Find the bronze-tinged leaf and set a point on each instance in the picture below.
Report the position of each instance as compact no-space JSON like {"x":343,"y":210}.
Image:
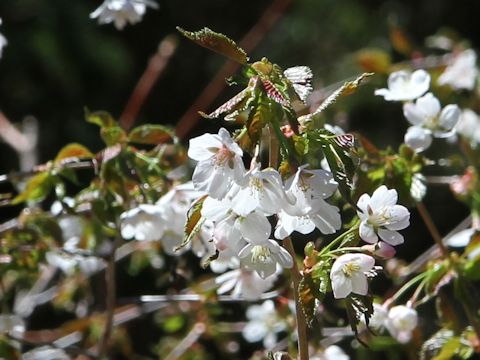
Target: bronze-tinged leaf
{"x":151,"y":135}
{"x":230,"y":105}
{"x":374,"y":60}
{"x":306,"y":295}
{"x":400,"y":41}
{"x":73,"y":150}
{"x":274,"y":94}
{"x":37,"y":189}
{"x":347,"y":88}
{"x":195,"y":221}
{"x":217,"y":42}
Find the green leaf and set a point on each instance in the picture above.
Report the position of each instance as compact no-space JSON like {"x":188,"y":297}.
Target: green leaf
{"x":73,"y":150}
{"x":113,"y":135}
{"x":37,"y":189}
{"x":338,"y":153}
{"x":151,"y":135}
{"x":216,"y":42}
{"x":358,"y":307}
{"x":100,"y":118}
{"x":195,"y":221}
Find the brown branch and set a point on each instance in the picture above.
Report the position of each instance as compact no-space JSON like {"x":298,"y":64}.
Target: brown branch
{"x":154,"y":69}
{"x":301,"y":323}
{"x":111,"y":293}
{"x":190,"y":118}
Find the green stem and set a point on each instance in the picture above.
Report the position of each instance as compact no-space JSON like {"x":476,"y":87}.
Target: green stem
{"x":405,"y":287}
{"x":340,"y":238}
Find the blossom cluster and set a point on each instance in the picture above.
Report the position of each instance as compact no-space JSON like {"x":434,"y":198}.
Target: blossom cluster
{"x":242,"y":204}
{"x":423,"y":110}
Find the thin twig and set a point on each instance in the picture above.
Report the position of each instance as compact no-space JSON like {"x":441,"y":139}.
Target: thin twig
{"x":190,"y":118}
{"x":156,"y":65}
{"x":197,"y":330}
{"x":432,"y":228}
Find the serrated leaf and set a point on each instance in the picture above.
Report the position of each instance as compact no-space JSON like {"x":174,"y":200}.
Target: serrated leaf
{"x":73,"y":150}
{"x":217,"y":42}
{"x":100,"y":118}
{"x":37,"y":189}
{"x":358,"y":307}
{"x":195,"y":221}
{"x":347,"y":88}
{"x":307,"y":298}
{"x":151,"y":135}
{"x":273,"y":93}
{"x":338,"y":155}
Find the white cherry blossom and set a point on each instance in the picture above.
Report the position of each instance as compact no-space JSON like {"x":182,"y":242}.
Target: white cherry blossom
{"x":263,"y":258}
{"x":469,"y":126}
{"x":381,"y":217}
{"x":263,"y":324}
{"x":244,"y":284}
{"x":405,"y":86}
{"x":143,"y":223}
{"x":263,"y":191}
{"x":308,"y":190}
{"x":121,"y":12}
{"x":429,"y":119}
{"x":219,"y":163}
{"x":348,"y":274}
{"x":332,"y":352}
{"x":462,"y":72}
{"x":401,"y":322}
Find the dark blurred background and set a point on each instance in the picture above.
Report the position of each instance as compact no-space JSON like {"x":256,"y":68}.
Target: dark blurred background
{"x":59,"y":61}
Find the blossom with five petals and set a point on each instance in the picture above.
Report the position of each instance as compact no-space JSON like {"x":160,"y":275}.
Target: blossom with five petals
{"x":405,"y":86}
{"x":263,"y":324}
{"x":401,"y":322}
{"x":219,"y":163}
{"x":308,"y":189}
{"x":381,"y":216}
{"x":428,"y":118}
{"x":348,"y":274}
{"x":264,"y":257}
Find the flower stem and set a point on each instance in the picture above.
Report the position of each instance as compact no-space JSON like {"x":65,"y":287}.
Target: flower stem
{"x":339,"y":239}
{"x":405,"y":287}
{"x":301,"y":323}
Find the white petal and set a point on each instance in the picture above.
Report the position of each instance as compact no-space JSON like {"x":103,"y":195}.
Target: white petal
{"x":413,"y":114}
{"x":418,"y":139}
{"x":204,"y":147}
{"x":255,"y":228}
{"x":391,"y":237}
{"x":359,"y":284}
{"x":460,"y":239}
{"x":367,"y":233}
{"x":341,"y":286}
{"x":428,"y":105}
{"x":383,"y":197}
{"x":449,"y":117}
